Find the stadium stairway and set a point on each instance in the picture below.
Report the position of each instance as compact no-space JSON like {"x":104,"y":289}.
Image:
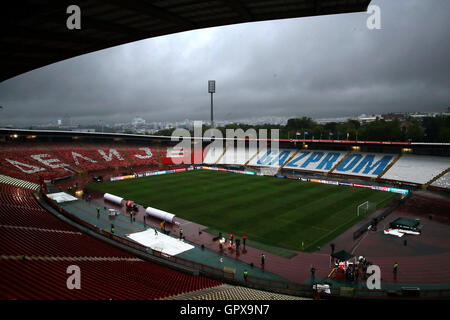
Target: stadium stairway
{"x":443,"y":183}
{"x":127,"y":156}
{"x":389,"y":166}
{"x":251,"y":158}
{"x":159,"y":156}
{"x":47,"y":149}
{"x":426,"y":185}
{"x":221,"y":156}
{"x":68,"y":154}
{"x":339,"y":163}
{"x":288,"y":160}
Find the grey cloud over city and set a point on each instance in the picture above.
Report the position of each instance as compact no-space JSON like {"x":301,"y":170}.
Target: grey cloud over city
{"x":327,"y":66}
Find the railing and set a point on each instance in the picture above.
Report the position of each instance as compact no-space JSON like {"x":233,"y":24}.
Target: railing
{"x":280,"y":286}
{"x":204,"y":269}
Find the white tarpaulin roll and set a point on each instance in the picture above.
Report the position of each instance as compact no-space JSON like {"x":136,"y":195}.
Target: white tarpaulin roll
{"x":113,"y":198}
{"x":163,"y":215}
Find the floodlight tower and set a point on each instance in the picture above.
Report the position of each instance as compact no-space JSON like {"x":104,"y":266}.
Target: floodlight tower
{"x":212,"y":89}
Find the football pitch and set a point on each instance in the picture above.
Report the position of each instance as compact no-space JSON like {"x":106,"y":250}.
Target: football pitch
{"x":274,"y":214}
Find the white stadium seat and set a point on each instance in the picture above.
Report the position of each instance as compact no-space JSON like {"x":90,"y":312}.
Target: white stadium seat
{"x":237,"y":156}
{"x":417,"y":169}
{"x":443,"y":182}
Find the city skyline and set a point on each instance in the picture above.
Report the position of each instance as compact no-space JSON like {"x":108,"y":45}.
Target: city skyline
{"x":141,"y":125}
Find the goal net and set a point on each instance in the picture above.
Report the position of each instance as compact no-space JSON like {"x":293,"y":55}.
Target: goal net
{"x":366,"y":208}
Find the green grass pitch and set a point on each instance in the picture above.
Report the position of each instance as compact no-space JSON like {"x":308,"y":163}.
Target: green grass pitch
{"x":273,"y":213}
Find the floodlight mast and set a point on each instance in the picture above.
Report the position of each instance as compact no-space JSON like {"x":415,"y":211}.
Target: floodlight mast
{"x":212,"y":111}
{"x":212,"y":90}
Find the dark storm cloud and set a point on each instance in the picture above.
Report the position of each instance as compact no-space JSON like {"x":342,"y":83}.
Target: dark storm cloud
{"x":318,"y":67}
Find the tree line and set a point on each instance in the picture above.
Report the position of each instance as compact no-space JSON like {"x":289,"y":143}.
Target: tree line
{"x":427,"y":129}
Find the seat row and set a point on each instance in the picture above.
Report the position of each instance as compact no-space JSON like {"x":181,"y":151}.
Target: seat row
{"x":26,"y":229}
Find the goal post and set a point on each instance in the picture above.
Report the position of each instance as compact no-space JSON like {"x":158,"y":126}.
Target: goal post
{"x":366,"y":208}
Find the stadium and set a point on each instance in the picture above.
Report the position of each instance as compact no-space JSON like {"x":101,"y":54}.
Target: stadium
{"x":289,"y":207}
{"x":145,"y":219}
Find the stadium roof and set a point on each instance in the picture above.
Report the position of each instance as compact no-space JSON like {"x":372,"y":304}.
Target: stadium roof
{"x":34,"y":32}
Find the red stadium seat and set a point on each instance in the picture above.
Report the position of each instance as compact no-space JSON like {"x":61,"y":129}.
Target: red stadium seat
{"x":50,"y":246}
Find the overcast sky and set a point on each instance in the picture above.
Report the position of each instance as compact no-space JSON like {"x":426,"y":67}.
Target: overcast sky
{"x":320,"y":67}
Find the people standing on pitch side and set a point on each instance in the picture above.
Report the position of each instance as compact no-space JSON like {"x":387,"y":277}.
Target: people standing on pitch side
{"x":395,"y":270}
{"x":313,"y":272}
